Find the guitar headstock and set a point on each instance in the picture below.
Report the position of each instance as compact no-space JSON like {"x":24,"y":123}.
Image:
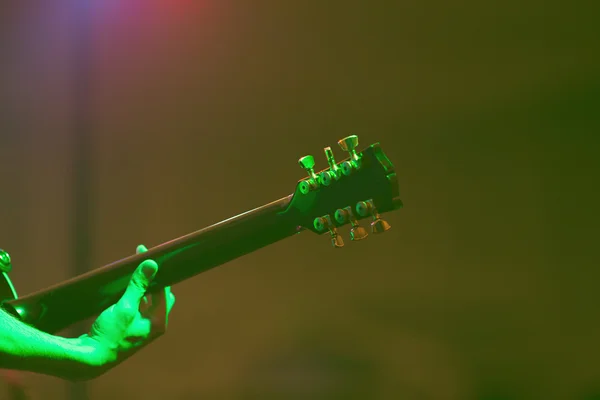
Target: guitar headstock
{"x":362,"y":186}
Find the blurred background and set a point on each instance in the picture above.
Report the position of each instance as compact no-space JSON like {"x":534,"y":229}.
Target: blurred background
{"x":139,"y":121}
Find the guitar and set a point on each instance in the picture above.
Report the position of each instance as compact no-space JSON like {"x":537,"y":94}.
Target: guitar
{"x":362,"y":186}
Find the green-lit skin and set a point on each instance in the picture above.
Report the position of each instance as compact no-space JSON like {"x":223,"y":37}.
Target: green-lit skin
{"x":120,"y":331}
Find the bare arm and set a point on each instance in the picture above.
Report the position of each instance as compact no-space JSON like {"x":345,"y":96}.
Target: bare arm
{"x":26,"y":348}
{"x":120,"y":331}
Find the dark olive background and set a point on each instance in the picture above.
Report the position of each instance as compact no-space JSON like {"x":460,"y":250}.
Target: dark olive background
{"x":486,"y":286}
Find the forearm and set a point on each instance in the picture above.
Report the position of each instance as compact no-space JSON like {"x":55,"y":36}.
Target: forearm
{"x":25,"y":348}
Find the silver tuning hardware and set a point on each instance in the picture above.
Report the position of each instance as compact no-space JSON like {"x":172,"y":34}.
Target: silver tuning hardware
{"x":334,"y":171}
{"x":7,"y":290}
{"x":344,"y":215}
{"x":5,"y":265}
{"x":324,"y":223}
{"x":349,"y":145}
{"x":312,"y":183}
{"x":366,"y":208}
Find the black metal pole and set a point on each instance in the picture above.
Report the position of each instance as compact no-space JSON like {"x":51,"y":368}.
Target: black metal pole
{"x":81,"y":134}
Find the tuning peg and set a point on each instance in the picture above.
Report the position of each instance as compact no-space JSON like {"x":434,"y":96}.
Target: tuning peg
{"x":5,"y":265}
{"x":334,"y":171}
{"x":380,"y":226}
{"x":308,"y":163}
{"x":349,"y":144}
{"x":366,"y":208}
{"x":344,"y":215}
{"x":324,"y":223}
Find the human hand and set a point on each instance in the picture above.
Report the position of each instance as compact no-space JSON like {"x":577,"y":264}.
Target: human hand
{"x":136,"y":320}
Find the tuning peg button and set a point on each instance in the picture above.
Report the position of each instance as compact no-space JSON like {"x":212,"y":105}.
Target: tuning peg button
{"x":336,"y":240}
{"x":380,"y":226}
{"x":366,"y":208}
{"x":307,"y":162}
{"x":349,"y":144}
{"x":324,"y":223}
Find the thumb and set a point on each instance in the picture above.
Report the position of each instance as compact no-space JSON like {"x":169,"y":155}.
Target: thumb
{"x":140,"y":280}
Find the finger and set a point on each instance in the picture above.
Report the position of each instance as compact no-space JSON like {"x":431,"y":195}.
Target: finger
{"x":148,"y":310}
{"x":159,"y":303}
{"x":157,"y":313}
{"x":156,"y":299}
{"x":145,"y":304}
{"x":141,"y":249}
{"x":140,"y":330}
{"x":170,"y":301}
{"x":111,"y":326}
{"x":140,"y":280}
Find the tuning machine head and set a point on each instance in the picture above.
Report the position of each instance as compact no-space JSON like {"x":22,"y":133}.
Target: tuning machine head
{"x":324,"y":223}
{"x":312,"y":182}
{"x":343,"y":215}
{"x":366,"y":208}
{"x":349,"y":145}
{"x":5,"y":264}
{"x":7,"y":289}
{"x":334,"y":172}
{"x":308,"y":163}
{"x":327,"y":199}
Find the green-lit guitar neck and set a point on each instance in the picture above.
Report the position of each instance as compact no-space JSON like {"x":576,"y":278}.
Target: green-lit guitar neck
{"x":361,"y":186}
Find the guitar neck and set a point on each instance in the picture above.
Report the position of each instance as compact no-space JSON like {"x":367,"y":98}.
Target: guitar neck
{"x":84,"y":296}
{"x":358,"y":187}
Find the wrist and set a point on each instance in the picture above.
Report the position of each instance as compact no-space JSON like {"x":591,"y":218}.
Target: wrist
{"x":78,"y":360}
{"x":91,"y":356}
